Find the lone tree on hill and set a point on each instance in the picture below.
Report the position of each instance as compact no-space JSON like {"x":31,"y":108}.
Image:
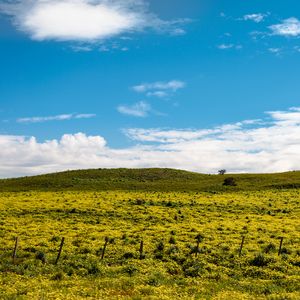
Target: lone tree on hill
{"x":222,"y":172}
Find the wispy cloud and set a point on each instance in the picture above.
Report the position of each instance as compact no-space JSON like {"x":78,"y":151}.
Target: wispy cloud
{"x":62,"y":117}
{"x":229,"y":46}
{"x":257,"y":18}
{"x":85,"y":20}
{"x":82,"y":48}
{"x":140,"y":109}
{"x":225,"y":46}
{"x":275,"y":51}
{"x":159,"y":89}
{"x":268,"y":145}
{"x":288,"y":28}
{"x":173,"y":136}
{"x":297,"y":48}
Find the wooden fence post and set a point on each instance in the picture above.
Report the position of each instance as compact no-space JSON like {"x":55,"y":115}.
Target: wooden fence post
{"x":104,"y":247}
{"x":197,"y":248}
{"x":199,"y":239}
{"x":280,"y":245}
{"x":60,"y":250}
{"x":241,"y":246}
{"x":141,"y":249}
{"x":15,"y":249}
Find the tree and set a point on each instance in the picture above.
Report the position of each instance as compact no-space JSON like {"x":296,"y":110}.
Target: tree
{"x":222,"y":172}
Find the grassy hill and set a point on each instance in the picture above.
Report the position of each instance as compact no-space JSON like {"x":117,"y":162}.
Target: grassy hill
{"x":150,"y":234}
{"x":148,"y":180}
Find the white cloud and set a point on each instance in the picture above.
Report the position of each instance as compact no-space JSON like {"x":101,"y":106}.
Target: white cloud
{"x":158,"y":94}
{"x":183,"y":135}
{"x":85,"y":20}
{"x":275,"y":50}
{"x":55,"y":118}
{"x":160,"y":89}
{"x":178,"y":32}
{"x":225,"y":46}
{"x":257,"y":18}
{"x":84,"y":116}
{"x":269,"y":145}
{"x":288,"y":27}
{"x":286,"y":118}
{"x":297,"y":48}
{"x":139,"y":109}
{"x":229,"y":46}
{"x":166,"y":136}
{"x":83,"y":48}
{"x":172,"y":85}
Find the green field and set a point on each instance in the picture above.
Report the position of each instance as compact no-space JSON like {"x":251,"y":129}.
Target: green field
{"x":191,"y":226}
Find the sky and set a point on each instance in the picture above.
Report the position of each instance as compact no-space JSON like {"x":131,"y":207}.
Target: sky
{"x":199,"y":85}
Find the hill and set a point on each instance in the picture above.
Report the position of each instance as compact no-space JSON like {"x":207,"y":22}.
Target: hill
{"x":150,"y":234}
{"x":148,"y":180}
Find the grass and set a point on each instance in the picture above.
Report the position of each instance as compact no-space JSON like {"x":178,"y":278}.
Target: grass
{"x":171,"y":211}
{"x":148,"y":180}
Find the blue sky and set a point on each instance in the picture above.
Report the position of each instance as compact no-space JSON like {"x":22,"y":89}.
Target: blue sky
{"x":122,"y":73}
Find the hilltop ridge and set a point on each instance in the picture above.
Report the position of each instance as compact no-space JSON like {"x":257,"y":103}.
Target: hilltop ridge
{"x":156,"y":179}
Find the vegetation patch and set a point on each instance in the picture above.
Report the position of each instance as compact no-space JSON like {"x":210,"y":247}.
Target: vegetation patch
{"x":233,"y":242}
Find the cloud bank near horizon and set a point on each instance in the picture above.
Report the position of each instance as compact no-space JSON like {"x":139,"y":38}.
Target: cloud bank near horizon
{"x":268,"y":145}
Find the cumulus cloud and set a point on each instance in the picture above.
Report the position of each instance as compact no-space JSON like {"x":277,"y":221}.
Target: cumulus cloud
{"x":160,"y":89}
{"x":139,"y":109}
{"x":288,"y":28}
{"x":85,"y":20}
{"x":268,"y":145}
{"x":55,"y":118}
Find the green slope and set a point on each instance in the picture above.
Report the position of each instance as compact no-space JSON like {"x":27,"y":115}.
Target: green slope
{"x":148,"y":180}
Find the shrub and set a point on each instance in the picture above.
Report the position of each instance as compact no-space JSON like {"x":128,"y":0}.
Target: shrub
{"x":30,"y":249}
{"x":140,"y":202}
{"x":193,"y":268}
{"x":159,"y":251}
{"x":270,"y":248}
{"x":172,"y":240}
{"x":156,"y":279}
{"x":130,"y":270}
{"x":160,"y":246}
{"x":94,"y":269}
{"x":41,"y":256}
{"x":55,"y":238}
{"x":285,"y":250}
{"x":128,"y":255}
{"x":260,"y":260}
{"x":229,"y":181}
{"x":85,"y":250}
{"x":58,"y":276}
{"x":173,"y":250}
{"x":199,"y":238}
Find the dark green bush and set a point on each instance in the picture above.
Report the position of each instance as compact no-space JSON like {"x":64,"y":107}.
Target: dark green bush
{"x":41,"y":256}
{"x":130,"y":270}
{"x":128,"y":255}
{"x":172,"y":240}
{"x":260,"y":260}
{"x":229,"y":181}
{"x":270,"y":248}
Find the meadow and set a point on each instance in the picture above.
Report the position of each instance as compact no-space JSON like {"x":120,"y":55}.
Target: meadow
{"x":167,"y":235}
